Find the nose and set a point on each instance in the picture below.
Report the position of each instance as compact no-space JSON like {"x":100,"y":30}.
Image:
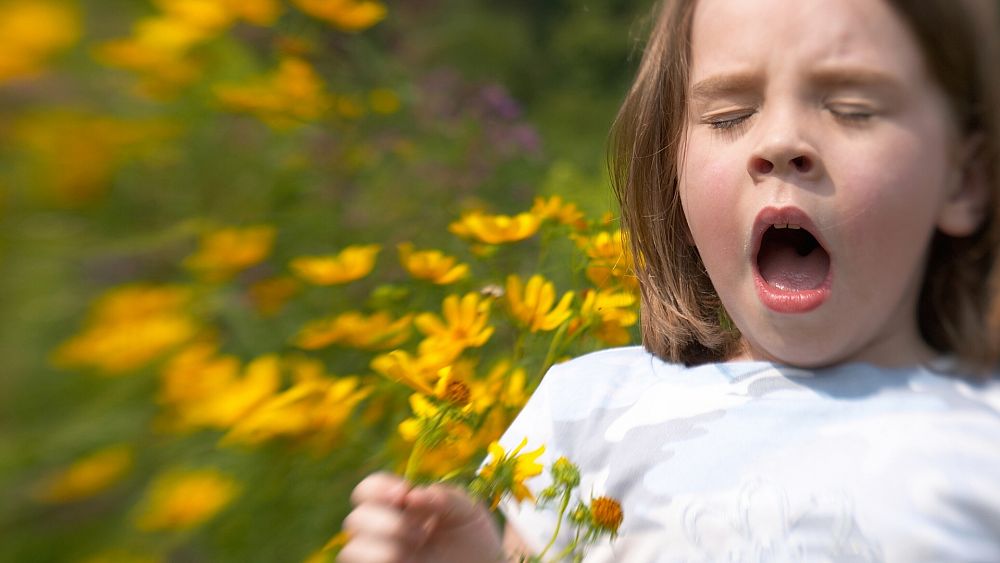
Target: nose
{"x":782,"y":150}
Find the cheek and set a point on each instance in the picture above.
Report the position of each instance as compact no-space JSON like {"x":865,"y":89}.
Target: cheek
{"x":708,"y":186}
{"x":707,"y":189}
{"x":887,"y":215}
{"x":895,"y":198}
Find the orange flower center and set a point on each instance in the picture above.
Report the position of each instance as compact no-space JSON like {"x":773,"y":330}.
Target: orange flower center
{"x":607,"y":513}
{"x":458,"y":393}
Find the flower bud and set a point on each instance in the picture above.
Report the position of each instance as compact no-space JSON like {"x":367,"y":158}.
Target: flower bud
{"x":565,"y":472}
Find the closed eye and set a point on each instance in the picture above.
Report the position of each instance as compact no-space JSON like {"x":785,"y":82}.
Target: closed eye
{"x":728,"y":121}
{"x":851,"y":114}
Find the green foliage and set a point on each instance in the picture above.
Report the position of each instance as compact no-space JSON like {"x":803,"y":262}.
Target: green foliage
{"x":117,"y":173}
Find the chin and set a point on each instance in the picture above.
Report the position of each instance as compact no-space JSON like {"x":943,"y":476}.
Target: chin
{"x":798,"y":355}
{"x":812,"y":361}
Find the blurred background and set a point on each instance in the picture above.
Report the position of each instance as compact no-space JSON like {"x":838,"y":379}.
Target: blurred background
{"x":163,"y":162}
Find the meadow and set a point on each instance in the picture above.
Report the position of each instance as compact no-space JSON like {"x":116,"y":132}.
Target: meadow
{"x":253,"y":250}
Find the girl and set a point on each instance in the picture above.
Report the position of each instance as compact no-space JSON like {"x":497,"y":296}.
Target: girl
{"x":812,"y":189}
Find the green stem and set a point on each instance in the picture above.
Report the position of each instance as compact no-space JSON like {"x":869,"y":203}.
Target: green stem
{"x":554,"y":348}
{"x":413,"y":463}
{"x":569,"y":549}
{"x":562,"y":511}
{"x":420,"y":446}
{"x":519,"y":346}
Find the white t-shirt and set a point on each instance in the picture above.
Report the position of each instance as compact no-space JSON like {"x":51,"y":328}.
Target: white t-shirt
{"x":751,"y":461}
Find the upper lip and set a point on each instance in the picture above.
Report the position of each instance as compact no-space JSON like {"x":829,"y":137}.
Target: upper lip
{"x":770,"y":216}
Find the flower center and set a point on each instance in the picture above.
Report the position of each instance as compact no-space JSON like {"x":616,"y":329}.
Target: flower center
{"x":458,"y":393}
{"x":607,"y":513}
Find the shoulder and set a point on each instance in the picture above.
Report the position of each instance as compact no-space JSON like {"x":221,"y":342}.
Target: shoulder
{"x":598,"y":379}
{"x":631,"y":361}
{"x":947,"y":413}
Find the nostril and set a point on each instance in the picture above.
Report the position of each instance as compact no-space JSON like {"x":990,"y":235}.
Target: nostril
{"x":801,"y":164}
{"x":762,"y":165}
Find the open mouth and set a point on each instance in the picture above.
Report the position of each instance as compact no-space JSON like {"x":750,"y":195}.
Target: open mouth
{"x":791,"y":259}
{"x":792,"y":268}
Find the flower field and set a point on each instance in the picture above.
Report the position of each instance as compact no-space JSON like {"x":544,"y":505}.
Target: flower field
{"x":254,"y":250}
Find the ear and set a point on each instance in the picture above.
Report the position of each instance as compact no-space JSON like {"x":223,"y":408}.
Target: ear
{"x":965,"y":208}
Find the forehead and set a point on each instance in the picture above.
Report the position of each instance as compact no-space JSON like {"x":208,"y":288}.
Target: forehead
{"x":759,"y":35}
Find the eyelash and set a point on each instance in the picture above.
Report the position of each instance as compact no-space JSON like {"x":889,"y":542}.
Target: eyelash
{"x":730,"y":122}
{"x":733,"y":126}
{"x":852,"y":117}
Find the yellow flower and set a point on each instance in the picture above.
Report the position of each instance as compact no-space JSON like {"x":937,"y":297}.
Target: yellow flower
{"x":448,"y":391}
{"x":270,"y":295}
{"x":465,"y":323}
{"x":219,"y":14}
{"x":87,"y":476}
{"x":258,"y":12}
{"x":496,"y":229}
{"x":423,"y":409}
{"x":348,"y":15}
{"x":610,"y":259}
{"x":449,"y":442}
{"x":315,"y":409}
{"x":197,"y":14}
{"x":225,"y":252}
{"x":75,"y":155}
{"x":134,"y":302}
{"x":417,"y":372}
{"x":183,"y":500}
{"x":376,"y":332}
{"x":294,"y":93}
{"x":196,"y":372}
{"x":507,"y":472}
{"x":509,"y":387}
{"x":532,"y":304}
{"x":453,"y":390}
{"x":128,"y":327}
{"x":159,"y":46}
{"x":431,"y":265}
{"x":31,"y":32}
{"x":612,"y":312}
{"x":201,"y":389}
{"x":554,"y":208}
{"x":352,"y":263}
{"x":455,"y":386}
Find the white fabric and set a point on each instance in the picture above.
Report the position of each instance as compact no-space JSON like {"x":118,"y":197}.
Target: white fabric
{"x":751,"y":461}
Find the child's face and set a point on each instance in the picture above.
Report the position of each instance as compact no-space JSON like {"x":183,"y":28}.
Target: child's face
{"x":819,"y":114}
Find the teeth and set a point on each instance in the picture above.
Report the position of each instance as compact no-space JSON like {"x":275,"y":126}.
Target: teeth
{"x":793,"y":226}
{"x":786,"y":226}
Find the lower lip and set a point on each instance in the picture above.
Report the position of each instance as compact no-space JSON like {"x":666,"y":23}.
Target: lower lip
{"x":784,"y":301}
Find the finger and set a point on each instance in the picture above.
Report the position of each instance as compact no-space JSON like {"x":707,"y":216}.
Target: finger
{"x":447,"y":505}
{"x":374,"y":521}
{"x":367,"y":550}
{"x":380,"y":488}
{"x":453,"y":521}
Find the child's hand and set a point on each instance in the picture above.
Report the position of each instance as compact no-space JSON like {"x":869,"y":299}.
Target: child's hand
{"x":392,"y":522}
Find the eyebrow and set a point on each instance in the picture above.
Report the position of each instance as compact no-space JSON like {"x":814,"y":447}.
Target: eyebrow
{"x":724,"y":84}
{"x":721,"y":85}
{"x":854,"y":76}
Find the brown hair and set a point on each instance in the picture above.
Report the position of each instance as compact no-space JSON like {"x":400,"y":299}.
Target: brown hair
{"x":682,"y":317}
